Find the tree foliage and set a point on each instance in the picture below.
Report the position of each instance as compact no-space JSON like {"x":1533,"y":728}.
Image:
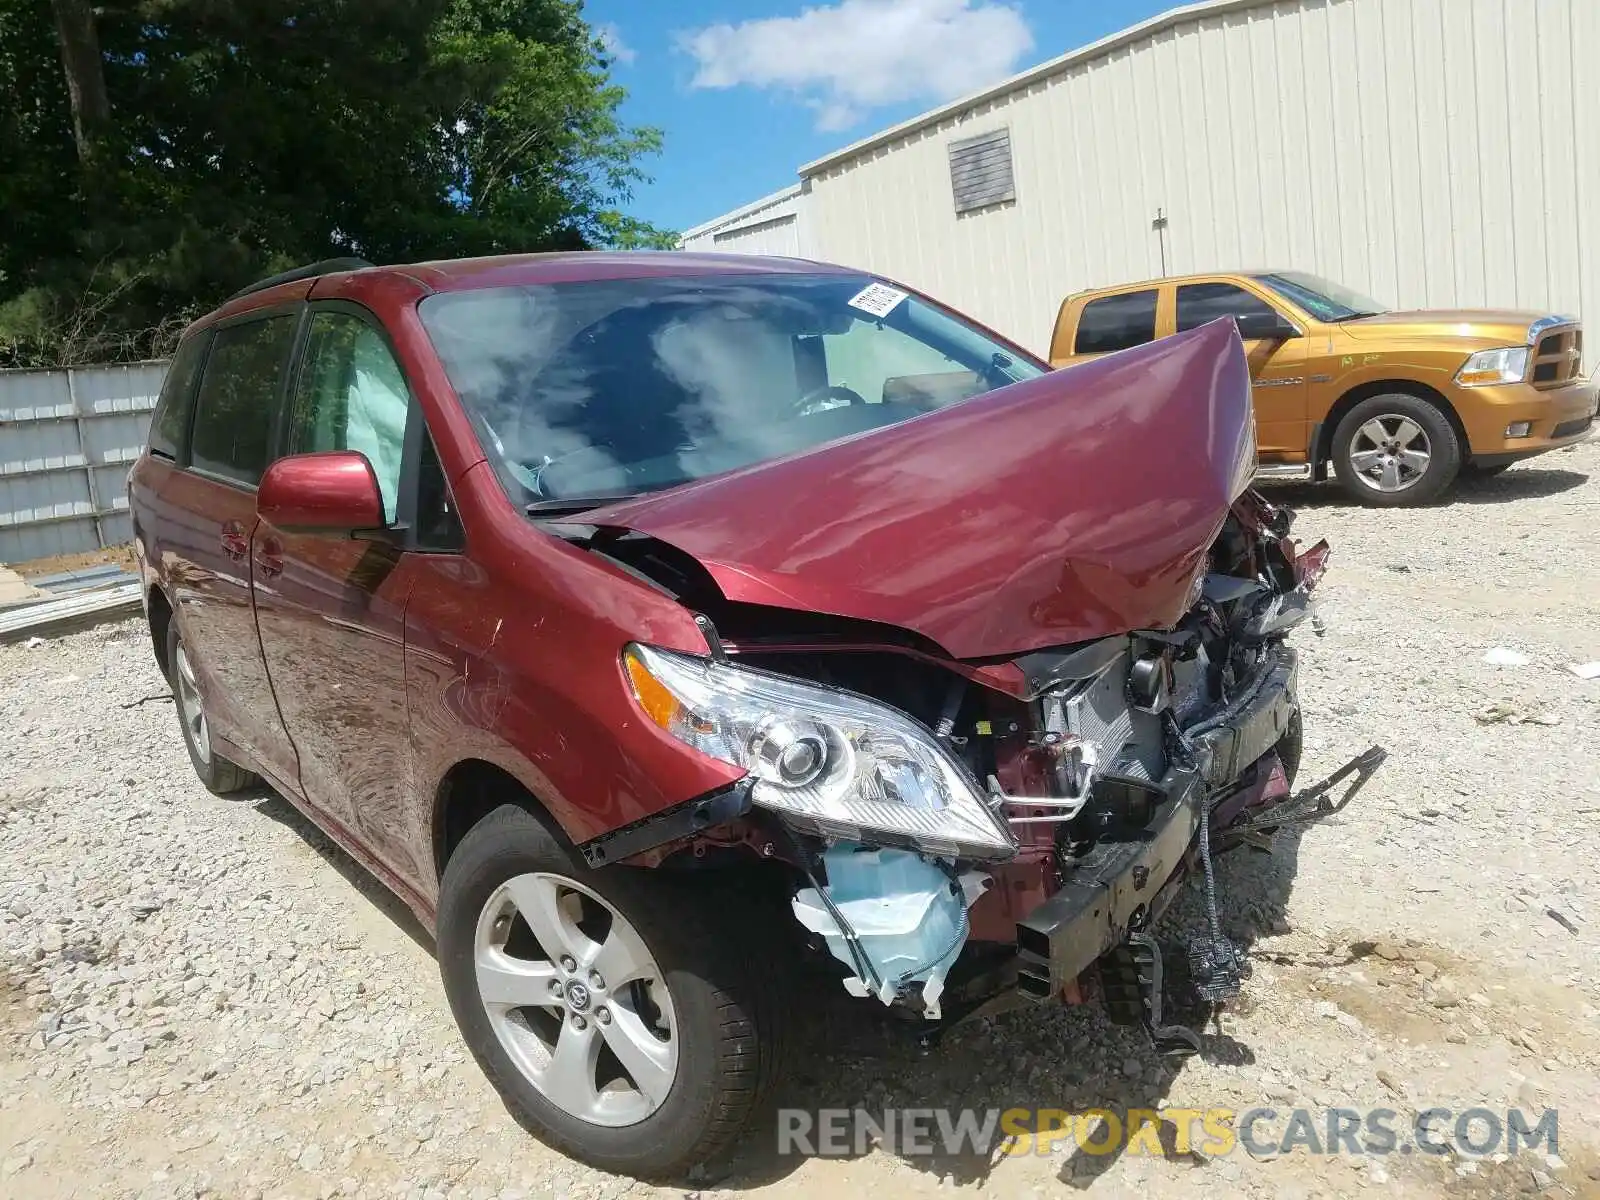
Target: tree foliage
{"x":234,"y":138}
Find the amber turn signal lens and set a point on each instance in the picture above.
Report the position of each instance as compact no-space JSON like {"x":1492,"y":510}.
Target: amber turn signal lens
{"x":659,"y":704}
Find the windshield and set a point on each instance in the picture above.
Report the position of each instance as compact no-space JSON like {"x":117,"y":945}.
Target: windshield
{"x":615,"y":387}
{"x":1322,"y":298}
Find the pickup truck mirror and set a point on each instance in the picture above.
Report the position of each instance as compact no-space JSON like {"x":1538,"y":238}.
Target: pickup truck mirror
{"x":1267,"y":326}
{"x":332,"y":492}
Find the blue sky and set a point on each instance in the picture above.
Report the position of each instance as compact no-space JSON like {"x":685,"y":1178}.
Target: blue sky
{"x":747,"y":90}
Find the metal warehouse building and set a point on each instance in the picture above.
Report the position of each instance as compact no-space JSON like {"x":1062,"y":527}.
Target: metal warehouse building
{"x":1427,"y":152}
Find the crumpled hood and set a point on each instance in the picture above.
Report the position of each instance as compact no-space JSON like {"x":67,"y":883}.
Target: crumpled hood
{"x":1073,"y":506}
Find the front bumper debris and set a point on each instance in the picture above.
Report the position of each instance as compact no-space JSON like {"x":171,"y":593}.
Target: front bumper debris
{"x":1306,"y":807}
{"x":1117,"y":888}
{"x":1228,"y":744}
{"x":1120,"y":887}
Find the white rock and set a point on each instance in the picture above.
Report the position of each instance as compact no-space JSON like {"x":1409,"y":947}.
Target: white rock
{"x":1499,"y":656}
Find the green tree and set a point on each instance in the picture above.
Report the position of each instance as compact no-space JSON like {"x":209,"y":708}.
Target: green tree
{"x":224,"y":139}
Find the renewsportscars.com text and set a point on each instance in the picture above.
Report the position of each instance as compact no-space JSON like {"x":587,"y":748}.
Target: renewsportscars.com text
{"x":1214,"y":1132}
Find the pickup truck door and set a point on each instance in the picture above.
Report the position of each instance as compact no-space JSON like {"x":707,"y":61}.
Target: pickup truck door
{"x":1277,"y":364}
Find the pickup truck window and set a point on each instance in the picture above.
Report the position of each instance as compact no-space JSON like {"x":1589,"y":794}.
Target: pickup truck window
{"x":1116,"y":323}
{"x":1322,"y":298}
{"x":1202,"y":302}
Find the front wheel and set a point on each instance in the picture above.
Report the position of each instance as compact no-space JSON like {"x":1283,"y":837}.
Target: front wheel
{"x":1395,"y":450}
{"x":617,"y":1012}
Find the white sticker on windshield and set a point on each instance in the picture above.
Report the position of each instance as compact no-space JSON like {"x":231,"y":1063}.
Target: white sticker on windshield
{"x":879,"y":299}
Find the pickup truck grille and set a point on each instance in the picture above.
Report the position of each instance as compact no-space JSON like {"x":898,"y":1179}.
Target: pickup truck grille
{"x":1558,"y":357}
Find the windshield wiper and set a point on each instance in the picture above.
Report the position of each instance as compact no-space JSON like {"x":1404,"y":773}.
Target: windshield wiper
{"x":566,"y":505}
{"x":1356,"y":316}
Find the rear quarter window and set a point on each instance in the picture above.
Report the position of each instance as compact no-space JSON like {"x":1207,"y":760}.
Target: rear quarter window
{"x":169,"y":424}
{"x":239,"y":397}
{"x":1116,"y":323}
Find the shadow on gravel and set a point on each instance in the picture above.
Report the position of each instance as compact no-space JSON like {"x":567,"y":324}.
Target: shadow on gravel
{"x":269,"y":804}
{"x":854,"y":1058}
{"x":1526,"y":484}
{"x":1520,"y":483}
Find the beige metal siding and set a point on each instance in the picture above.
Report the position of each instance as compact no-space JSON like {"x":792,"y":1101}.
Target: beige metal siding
{"x":1429,"y":152}
{"x":780,"y":236}
{"x":771,"y":225}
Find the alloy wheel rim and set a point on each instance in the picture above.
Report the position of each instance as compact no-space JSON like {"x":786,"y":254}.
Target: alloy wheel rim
{"x":1390,"y":453}
{"x":576,"y":999}
{"x":191,"y":708}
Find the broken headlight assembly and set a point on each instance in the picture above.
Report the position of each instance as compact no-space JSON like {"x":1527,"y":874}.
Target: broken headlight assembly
{"x":826,"y":761}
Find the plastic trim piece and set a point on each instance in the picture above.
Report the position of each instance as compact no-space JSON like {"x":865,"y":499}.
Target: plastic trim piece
{"x":670,"y":824}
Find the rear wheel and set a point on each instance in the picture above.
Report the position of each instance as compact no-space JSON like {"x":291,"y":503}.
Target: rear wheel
{"x":1395,"y":450}
{"x":220,"y":776}
{"x":619,"y":1013}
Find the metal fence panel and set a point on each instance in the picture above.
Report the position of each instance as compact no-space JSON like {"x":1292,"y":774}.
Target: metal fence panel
{"x":67,"y":439}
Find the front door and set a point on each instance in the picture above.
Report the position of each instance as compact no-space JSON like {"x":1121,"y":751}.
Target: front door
{"x":331,"y":611}
{"x":1277,"y":366}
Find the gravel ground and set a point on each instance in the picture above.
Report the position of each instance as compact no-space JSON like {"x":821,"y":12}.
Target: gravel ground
{"x":204,"y":997}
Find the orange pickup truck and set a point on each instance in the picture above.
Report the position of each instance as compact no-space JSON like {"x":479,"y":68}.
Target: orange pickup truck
{"x":1399,"y":402}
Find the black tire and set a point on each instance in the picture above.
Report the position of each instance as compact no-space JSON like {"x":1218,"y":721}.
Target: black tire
{"x":1474,"y":471}
{"x":1444,"y":449}
{"x":729,"y":1012}
{"x":221,"y":776}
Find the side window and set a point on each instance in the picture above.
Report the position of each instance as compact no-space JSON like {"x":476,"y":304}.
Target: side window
{"x":1116,"y":323}
{"x":352,"y":396}
{"x":169,"y":425}
{"x":438,"y":526}
{"x":1202,"y":302}
{"x":238,"y":398}
{"x":884,"y":365}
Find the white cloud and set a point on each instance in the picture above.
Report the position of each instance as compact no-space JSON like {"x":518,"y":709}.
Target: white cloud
{"x":856,"y":55}
{"x":610,"y":37}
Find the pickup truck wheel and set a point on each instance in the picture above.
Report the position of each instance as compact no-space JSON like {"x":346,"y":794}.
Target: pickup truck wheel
{"x":619,"y":1013}
{"x":220,"y":776}
{"x":1395,"y":450}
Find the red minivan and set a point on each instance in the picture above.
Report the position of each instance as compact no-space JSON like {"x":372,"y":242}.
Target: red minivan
{"x":658,"y":626}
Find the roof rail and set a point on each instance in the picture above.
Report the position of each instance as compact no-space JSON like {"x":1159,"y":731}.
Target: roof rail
{"x":327,"y":266}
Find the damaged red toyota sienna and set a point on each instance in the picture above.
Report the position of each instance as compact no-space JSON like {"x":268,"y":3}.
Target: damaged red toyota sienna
{"x":651,"y":624}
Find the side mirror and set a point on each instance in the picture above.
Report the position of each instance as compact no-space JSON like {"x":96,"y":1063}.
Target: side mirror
{"x":1265,"y":326}
{"x":333,"y":492}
